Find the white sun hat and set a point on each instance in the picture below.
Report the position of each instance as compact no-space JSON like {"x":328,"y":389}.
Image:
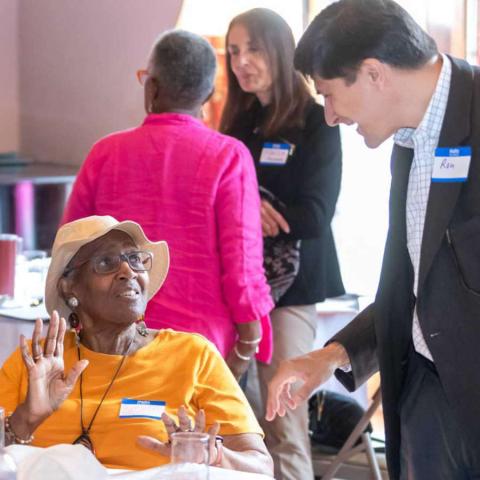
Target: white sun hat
{"x":74,"y":235}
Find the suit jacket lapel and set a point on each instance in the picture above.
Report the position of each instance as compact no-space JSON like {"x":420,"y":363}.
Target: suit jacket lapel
{"x":443,"y":196}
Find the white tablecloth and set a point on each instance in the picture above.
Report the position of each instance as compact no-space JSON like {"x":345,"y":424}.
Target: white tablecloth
{"x":75,"y":462}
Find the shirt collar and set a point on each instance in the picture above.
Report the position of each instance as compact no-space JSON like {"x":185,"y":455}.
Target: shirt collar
{"x":431,"y":124}
{"x":170,"y":118}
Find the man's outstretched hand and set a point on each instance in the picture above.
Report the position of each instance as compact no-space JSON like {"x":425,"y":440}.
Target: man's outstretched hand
{"x":312,"y":370}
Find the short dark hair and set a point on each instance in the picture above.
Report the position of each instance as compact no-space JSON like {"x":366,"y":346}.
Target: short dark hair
{"x":290,"y":94}
{"x":349,"y":31}
{"x":183,"y":64}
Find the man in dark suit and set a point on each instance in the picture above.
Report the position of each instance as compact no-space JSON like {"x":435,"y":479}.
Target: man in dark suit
{"x":377,"y":68}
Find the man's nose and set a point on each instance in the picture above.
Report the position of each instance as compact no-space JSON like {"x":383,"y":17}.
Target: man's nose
{"x":331,"y":117}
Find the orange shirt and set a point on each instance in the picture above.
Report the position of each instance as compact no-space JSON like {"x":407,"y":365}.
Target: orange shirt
{"x":177,"y":368}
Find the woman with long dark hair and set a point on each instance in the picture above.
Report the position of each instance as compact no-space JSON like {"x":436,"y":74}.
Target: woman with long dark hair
{"x":298,"y":164}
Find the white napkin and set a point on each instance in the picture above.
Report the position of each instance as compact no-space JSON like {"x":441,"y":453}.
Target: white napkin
{"x":61,"y":462}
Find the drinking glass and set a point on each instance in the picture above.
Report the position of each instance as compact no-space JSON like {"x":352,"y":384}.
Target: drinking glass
{"x":190,"y":454}
{"x":7,"y":465}
{"x":33,"y":269}
{"x":9,"y":247}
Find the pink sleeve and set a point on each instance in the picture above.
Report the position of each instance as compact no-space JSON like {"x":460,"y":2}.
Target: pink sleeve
{"x":237,"y":207}
{"x":81,"y":202}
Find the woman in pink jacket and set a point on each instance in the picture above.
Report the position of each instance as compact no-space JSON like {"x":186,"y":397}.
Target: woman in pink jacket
{"x":195,"y":188}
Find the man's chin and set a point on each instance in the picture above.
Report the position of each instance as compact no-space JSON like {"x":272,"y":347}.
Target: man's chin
{"x":372,"y":142}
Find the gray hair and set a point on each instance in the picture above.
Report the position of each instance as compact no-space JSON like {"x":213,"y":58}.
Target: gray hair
{"x":184,"y":65}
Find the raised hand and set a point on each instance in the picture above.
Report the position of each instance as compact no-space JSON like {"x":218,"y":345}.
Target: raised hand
{"x":48,"y":385}
{"x":184,"y":425}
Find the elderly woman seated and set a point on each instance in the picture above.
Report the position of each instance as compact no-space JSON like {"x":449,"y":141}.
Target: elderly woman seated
{"x":109,"y":383}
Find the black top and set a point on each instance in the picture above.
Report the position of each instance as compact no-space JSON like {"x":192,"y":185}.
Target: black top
{"x":308,"y":184}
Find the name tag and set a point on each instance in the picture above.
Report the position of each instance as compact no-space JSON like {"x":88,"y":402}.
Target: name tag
{"x":275,"y":153}
{"x":141,"y":408}
{"x":451,"y":164}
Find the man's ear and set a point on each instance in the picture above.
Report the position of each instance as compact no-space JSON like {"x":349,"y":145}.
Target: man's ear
{"x":375,"y":72}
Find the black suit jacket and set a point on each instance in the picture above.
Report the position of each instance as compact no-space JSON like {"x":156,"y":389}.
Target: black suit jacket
{"x":448,"y":302}
{"x":308,"y":184}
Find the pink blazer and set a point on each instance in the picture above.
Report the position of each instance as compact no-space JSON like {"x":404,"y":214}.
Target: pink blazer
{"x":196,"y":189}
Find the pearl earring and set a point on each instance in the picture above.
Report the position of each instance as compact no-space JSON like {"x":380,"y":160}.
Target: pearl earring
{"x":72,"y":302}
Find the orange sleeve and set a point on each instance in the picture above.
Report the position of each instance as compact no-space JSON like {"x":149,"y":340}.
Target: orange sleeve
{"x":218,"y":393}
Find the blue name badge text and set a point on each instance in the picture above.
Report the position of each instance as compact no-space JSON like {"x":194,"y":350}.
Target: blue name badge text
{"x":130,"y":408}
{"x":451,"y":164}
{"x":275,"y":153}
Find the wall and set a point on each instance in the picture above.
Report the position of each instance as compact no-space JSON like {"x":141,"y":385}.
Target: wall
{"x":77,"y":70}
{"x":9,"y":106}
{"x":196,"y":15}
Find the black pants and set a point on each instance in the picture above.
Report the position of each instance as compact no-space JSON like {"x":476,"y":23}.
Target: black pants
{"x":433,"y":447}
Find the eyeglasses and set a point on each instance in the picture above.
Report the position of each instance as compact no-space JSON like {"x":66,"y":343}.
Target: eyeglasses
{"x":142,"y":76}
{"x":104,"y":264}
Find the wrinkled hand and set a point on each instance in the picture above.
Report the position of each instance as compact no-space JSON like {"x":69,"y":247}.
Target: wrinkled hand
{"x":312,"y":370}
{"x":48,"y":385}
{"x":184,"y":425}
{"x":272,"y":220}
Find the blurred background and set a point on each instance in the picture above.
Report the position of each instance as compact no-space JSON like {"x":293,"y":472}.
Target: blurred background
{"x":68,"y":77}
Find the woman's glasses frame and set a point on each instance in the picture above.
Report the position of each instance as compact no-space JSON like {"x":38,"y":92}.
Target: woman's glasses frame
{"x":146,"y":262}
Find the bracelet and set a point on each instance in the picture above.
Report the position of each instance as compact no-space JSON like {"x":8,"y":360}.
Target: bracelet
{"x":21,"y":441}
{"x":219,"y":448}
{"x":250,"y":342}
{"x":240,"y":356}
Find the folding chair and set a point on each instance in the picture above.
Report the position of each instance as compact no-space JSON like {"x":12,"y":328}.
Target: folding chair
{"x":349,"y":448}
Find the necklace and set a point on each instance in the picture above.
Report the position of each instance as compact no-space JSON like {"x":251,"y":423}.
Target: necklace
{"x":84,"y":438}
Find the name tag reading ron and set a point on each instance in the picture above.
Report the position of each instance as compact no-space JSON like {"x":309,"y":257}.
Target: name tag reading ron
{"x":275,"y":153}
{"x":130,"y":408}
{"x":451,"y":164}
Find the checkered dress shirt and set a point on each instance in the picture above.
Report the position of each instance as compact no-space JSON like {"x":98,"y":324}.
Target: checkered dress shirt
{"x":424,"y":141}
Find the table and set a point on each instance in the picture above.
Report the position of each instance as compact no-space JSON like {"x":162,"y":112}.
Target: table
{"x":75,"y":462}
{"x":13,"y":323}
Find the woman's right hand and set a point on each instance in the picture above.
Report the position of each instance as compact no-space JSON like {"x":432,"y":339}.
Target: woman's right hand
{"x":48,"y":385}
{"x":272,"y":220}
{"x":238,"y":366}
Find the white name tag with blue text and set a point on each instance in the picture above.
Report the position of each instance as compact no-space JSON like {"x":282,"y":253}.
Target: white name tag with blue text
{"x":451,"y":164}
{"x":130,"y":408}
{"x":275,"y":153}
